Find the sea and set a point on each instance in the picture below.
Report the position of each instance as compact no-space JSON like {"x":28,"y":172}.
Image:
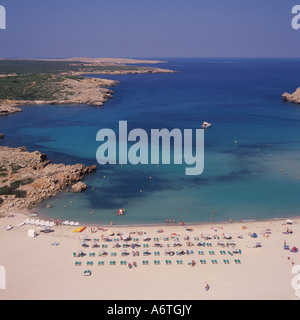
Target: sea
{"x":251,"y":150}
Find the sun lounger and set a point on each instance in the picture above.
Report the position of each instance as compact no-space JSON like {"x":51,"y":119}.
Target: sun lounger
{"x":87,"y":273}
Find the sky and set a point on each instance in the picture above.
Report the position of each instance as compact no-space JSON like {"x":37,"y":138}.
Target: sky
{"x":149,"y":29}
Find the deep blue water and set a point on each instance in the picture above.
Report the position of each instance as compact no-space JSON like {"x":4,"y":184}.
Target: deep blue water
{"x":254,"y":135}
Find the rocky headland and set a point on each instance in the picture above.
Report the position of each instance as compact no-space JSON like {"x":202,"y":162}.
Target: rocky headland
{"x":28,"y":178}
{"x":68,"y":90}
{"x":294,"y":97}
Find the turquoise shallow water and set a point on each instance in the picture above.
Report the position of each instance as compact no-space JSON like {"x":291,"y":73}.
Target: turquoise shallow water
{"x":240,"y":97}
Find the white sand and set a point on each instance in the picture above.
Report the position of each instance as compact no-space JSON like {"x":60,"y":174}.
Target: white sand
{"x":35,"y":269}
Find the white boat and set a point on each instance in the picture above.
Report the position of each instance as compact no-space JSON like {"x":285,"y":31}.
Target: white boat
{"x":206,"y":125}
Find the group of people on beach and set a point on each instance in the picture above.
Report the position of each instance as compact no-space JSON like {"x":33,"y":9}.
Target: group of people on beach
{"x":181,"y":223}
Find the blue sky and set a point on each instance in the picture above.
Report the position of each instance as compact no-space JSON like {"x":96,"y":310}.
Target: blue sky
{"x":144,"y":28}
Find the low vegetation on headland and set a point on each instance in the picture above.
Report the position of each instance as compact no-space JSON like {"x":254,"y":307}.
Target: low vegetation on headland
{"x":28,"y":82}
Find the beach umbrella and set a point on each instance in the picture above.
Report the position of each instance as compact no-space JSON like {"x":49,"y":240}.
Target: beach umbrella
{"x":289,"y":221}
{"x":94,"y":244}
{"x":227,"y":235}
{"x":254,"y":235}
{"x":294,"y":249}
{"x":286,"y":247}
{"x":258,"y":244}
{"x":125,"y":236}
{"x":79,"y":252}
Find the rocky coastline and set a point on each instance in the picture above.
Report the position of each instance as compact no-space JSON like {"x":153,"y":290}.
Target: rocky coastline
{"x":89,"y":91}
{"x":28,"y":178}
{"x":294,"y":97}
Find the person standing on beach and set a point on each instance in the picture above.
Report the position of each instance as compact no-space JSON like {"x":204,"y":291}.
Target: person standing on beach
{"x":206,"y":286}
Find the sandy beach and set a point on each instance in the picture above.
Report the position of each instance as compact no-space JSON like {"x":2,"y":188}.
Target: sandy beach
{"x":36,"y":268}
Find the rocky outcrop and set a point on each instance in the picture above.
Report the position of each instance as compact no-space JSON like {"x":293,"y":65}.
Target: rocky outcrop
{"x":294,"y":97}
{"x":10,"y":107}
{"x":79,"y":187}
{"x":28,"y":178}
{"x":79,"y":90}
{"x":89,"y":91}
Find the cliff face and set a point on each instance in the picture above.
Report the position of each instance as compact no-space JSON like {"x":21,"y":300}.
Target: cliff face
{"x":294,"y":97}
{"x":27,"y":178}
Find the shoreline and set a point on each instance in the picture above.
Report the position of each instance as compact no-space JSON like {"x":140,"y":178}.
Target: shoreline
{"x":27,"y":211}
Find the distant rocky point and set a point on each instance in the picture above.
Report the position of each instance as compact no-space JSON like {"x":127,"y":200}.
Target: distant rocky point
{"x":294,"y":97}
